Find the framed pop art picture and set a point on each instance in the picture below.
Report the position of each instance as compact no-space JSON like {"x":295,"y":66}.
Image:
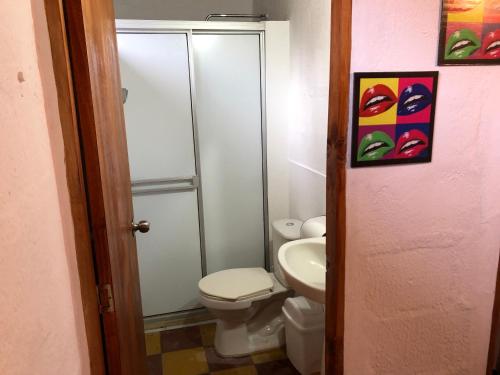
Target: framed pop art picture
{"x":393,"y":118}
{"x":470,"y":32}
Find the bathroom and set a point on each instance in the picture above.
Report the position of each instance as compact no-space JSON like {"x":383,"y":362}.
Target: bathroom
{"x":225,"y":168}
{"x":296,"y":170}
{"x":380,"y":115}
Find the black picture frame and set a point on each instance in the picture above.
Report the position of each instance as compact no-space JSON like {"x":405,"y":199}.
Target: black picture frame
{"x":442,"y":42}
{"x":427,"y":158}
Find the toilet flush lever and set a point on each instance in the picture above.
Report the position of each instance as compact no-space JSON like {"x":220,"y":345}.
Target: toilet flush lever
{"x":142,"y":226}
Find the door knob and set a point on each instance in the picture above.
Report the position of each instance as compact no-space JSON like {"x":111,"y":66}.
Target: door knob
{"x":142,"y":226}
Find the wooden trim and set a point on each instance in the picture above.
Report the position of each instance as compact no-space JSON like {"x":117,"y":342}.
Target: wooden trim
{"x":76,"y":186}
{"x":338,"y":118}
{"x":495,"y":325}
{"x":92,"y":49}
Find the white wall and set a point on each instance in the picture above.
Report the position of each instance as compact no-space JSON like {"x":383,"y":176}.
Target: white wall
{"x":278,"y":118}
{"x":179,"y":9}
{"x":41,"y":314}
{"x":309,"y":65}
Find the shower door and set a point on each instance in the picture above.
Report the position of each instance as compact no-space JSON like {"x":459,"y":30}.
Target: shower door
{"x":155,"y":76}
{"x":229,"y":83}
{"x":194,"y":121}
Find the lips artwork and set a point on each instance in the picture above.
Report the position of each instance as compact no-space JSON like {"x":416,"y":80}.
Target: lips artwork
{"x":491,"y":45}
{"x":411,"y":143}
{"x":374,"y":146}
{"x":376,"y":99}
{"x":413,"y":99}
{"x":393,"y":118}
{"x":470,"y":32}
{"x":462,"y":44}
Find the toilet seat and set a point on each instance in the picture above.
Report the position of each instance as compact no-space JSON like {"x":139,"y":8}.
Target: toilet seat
{"x":236,"y":284}
{"x":245,"y":300}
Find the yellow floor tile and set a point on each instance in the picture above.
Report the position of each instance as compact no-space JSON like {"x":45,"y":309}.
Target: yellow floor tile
{"x":153,"y":345}
{"x":207,"y":334}
{"x":247,"y":370}
{"x":269,"y":356}
{"x":185,"y":362}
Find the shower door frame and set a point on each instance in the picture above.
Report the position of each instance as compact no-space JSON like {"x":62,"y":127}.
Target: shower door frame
{"x":190,"y":28}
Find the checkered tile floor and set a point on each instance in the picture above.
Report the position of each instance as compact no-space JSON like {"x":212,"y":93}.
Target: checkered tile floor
{"x":190,"y":351}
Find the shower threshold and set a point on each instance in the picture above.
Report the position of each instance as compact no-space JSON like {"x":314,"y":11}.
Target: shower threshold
{"x":177,"y":320}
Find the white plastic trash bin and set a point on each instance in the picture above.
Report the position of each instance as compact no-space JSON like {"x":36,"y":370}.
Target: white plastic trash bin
{"x":304,"y":330}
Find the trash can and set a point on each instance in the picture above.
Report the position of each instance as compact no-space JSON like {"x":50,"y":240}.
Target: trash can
{"x":304,"y":331}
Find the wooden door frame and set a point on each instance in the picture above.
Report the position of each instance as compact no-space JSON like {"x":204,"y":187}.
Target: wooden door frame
{"x":75,"y":176}
{"x":338,"y":116}
{"x":338,"y":119}
{"x":495,"y":325}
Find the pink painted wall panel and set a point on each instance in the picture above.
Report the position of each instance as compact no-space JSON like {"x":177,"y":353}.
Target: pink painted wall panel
{"x":41,"y":323}
{"x":423,"y":239}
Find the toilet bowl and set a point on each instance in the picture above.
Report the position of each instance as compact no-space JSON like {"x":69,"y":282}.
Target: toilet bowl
{"x":248,"y":311}
{"x":247,"y":302}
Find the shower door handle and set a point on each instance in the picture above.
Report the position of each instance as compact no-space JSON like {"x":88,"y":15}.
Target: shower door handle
{"x":142,"y":226}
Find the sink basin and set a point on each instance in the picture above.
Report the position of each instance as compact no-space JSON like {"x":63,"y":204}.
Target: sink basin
{"x":304,"y":265}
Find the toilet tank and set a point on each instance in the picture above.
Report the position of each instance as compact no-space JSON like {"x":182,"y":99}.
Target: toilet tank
{"x":284,"y":230}
{"x":313,"y":227}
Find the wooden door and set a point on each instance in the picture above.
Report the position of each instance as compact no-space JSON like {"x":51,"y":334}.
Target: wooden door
{"x":93,"y":53}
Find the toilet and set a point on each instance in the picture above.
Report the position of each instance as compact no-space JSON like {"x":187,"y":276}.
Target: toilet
{"x":247,"y":302}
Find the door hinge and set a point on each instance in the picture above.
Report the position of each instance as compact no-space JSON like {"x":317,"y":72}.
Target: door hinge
{"x":105,"y":297}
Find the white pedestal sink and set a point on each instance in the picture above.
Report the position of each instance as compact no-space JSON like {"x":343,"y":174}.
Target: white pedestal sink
{"x":304,"y":265}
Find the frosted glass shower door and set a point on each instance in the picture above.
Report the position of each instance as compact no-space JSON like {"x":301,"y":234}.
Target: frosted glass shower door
{"x":155,"y":76}
{"x":228,"y":104}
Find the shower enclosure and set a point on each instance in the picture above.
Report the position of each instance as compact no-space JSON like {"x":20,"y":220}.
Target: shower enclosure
{"x":195,"y":123}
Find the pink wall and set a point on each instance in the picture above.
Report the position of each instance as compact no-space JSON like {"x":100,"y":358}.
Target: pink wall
{"x":423,"y":240}
{"x":41,"y":323}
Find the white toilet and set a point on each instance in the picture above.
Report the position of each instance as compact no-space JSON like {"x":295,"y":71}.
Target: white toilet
{"x":247,"y":302}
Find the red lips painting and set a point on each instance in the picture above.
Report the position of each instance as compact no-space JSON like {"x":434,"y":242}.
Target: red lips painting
{"x":491,"y":45}
{"x":376,"y":100}
{"x":411,"y":143}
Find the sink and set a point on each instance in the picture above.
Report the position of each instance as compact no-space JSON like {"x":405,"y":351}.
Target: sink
{"x":304,"y":265}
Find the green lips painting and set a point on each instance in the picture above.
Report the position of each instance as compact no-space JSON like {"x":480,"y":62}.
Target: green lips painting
{"x":462,"y":44}
{"x":374,"y":146}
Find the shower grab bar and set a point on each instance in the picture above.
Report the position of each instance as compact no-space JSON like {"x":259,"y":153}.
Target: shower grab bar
{"x":178,"y":189}
{"x":193,"y":181}
{"x":163,"y":181}
{"x":253,"y":16}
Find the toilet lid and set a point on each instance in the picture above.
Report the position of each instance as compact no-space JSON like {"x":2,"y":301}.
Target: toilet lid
{"x":236,"y":283}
